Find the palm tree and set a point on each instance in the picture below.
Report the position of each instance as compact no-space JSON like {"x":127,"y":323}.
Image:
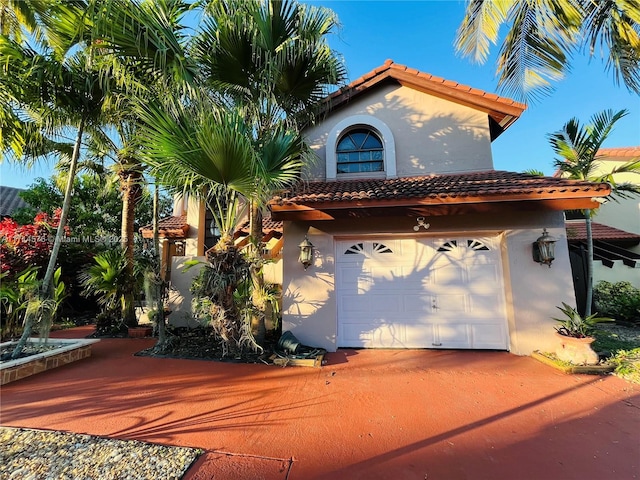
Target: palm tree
{"x":577,"y":147}
{"x":270,"y":59}
{"x":134,"y":45}
{"x":543,"y":36}
{"x":55,"y":93}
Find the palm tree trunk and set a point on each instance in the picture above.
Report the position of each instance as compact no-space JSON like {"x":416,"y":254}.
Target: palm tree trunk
{"x":159,"y":281}
{"x":258,"y":327}
{"x":130,"y":187}
{"x":589,"y":293}
{"x":46,"y":290}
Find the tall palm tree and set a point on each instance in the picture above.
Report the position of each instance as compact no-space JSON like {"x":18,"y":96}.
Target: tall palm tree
{"x":543,"y":36}
{"x":134,"y":46}
{"x":577,"y":147}
{"x":271,"y":60}
{"x":54,"y":93}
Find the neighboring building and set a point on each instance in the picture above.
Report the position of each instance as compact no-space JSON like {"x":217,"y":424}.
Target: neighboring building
{"x":616,"y":230}
{"x":621,"y":213}
{"x":614,"y":258}
{"x":418,"y":241}
{"x":10,"y":201}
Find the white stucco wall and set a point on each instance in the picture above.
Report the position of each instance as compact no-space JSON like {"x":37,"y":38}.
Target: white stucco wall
{"x":179,"y":293}
{"x":622,"y":213}
{"x":532,"y":290}
{"x":431,"y":135}
{"x":618,"y":273}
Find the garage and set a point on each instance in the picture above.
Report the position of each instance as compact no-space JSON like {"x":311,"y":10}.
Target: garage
{"x":420,"y":293}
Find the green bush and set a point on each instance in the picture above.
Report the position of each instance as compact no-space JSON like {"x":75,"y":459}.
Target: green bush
{"x":619,"y":300}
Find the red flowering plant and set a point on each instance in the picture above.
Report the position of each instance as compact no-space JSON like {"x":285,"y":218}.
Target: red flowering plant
{"x":23,"y":246}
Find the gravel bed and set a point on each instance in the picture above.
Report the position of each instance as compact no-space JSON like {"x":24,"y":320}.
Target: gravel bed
{"x":29,"y":349}
{"x":27,"y":454}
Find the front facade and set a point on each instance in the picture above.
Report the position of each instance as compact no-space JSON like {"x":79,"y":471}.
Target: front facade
{"x":418,"y":242}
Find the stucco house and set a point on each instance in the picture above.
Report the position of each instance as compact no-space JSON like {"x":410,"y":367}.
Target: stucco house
{"x":615,"y":231}
{"x":417,"y":241}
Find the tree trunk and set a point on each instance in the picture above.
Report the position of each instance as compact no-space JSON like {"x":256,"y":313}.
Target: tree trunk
{"x":46,"y":290}
{"x":589,"y":293}
{"x":258,"y":327}
{"x":131,"y":191}
{"x":159,"y":281}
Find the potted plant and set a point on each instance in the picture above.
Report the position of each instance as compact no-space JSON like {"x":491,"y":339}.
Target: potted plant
{"x":575,"y":333}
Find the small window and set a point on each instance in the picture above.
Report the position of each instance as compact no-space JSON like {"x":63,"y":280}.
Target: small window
{"x":360,"y":151}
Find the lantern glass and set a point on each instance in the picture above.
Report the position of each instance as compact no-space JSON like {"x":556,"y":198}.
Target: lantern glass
{"x":306,"y":253}
{"x":544,"y":249}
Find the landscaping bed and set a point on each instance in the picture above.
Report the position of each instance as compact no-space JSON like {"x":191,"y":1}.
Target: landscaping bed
{"x":39,"y":357}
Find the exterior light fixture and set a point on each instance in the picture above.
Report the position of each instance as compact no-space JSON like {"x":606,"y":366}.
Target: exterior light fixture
{"x":306,"y":252}
{"x":421,"y":222}
{"x":544,"y":249}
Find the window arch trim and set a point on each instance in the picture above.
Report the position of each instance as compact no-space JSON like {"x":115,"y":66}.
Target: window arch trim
{"x":365,"y":121}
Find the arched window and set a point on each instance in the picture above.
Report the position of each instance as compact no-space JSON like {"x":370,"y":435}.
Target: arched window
{"x":359,"y":151}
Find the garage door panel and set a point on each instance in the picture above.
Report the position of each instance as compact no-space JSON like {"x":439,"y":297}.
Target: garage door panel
{"x":382,"y":336}
{"x":483,"y":273}
{"x":375,"y":303}
{"x":418,"y":303}
{"x":448,"y":275}
{"x":489,"y":335}
{"x":446,"y":303}
{"x":485,"y":305}
{"x":453,"y":336}
{"x":354,"y":280}
{"x":408,"y":293}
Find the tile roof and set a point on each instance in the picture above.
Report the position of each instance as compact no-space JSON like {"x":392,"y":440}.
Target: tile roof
{"x":622,"y":152}
{"x":10,"y":200}
{"x":268,"y":225}
{"x":476,"y":186}
{"x":169,"y":227}
{"x":503,"y":110}
{"x":577,"y":231}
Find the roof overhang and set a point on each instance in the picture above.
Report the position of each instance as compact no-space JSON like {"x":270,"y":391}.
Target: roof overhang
{"x":442,"y":194}
{"x":502,"y":111}
{"x":334,"y":211}
{"x":173,"y":227}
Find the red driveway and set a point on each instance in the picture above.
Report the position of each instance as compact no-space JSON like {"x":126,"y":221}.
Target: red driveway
{"x":409,"y":414}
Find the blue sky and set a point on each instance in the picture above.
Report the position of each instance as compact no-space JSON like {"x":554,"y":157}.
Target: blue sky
{"x":420,"y":34}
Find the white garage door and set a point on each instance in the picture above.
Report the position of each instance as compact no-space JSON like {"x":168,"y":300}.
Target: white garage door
{"x":420,"y":293}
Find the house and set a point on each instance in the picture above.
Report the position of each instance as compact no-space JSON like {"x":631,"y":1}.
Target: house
{"x":623,"y":214}
{"x":613,"y":257}
{"x":10,"y":200}
{"x":417,"y":241}
{"x":615,"y":230}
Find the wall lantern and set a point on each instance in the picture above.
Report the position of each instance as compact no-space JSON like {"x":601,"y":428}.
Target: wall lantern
{"x":306,"y":252}
{"x":544,"y":248}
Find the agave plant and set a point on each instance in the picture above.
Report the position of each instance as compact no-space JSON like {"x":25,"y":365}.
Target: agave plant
{"x":575,"y":325}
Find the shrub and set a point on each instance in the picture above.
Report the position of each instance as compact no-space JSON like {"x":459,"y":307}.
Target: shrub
{"x":619,"y":300}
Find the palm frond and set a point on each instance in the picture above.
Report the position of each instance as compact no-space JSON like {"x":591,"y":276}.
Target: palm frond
{"x":480,"y":27}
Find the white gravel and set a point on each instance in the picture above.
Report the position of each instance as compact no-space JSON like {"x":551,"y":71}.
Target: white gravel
{"x":49,"y":455}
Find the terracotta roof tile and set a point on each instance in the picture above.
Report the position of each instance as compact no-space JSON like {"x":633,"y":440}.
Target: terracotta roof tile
{"x":494,"y":183}
{"x":577,"y":231}
{"x":268,"y":225}
{"x":173,"y":222}
{"x":173,"y":226}
{"x":620,"y":152}
{"x":499,"y":108}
